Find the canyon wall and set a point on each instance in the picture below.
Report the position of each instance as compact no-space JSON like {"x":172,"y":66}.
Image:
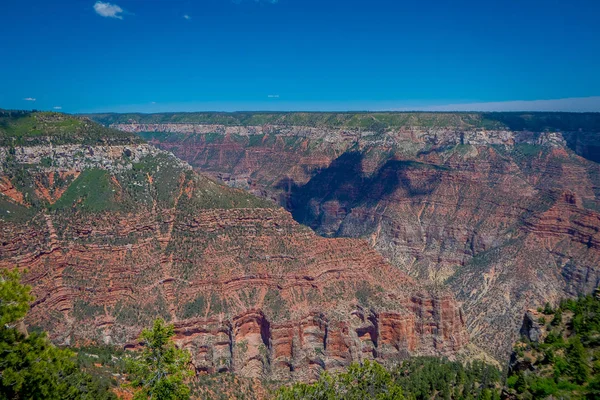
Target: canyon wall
{"x":507,"y":219}
{"x":115,"y":235}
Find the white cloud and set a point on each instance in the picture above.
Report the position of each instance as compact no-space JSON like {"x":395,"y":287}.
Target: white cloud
{"x":29,"y":99}
{"x":108,"y":10}
{"x":152,"y":102}
{"x":57,"y":107}
{"x":187,"y":17}
{"x":273,"y":96}
{"x":256,"y":1}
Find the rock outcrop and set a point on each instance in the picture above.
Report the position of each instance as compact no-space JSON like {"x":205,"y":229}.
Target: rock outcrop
{"x":507,"y":219}
{"x":114,"y":236}
{"x":531,"y":328}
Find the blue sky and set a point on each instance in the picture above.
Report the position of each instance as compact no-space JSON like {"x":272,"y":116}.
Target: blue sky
{"x":169,"y":55}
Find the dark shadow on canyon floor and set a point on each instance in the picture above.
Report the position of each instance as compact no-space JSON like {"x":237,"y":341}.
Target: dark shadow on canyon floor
{"x":334,"y":191}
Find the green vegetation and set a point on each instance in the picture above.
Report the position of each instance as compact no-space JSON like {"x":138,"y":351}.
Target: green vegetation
{"x":418,"y":378}
{"x":151,"y":181}
{"x":19,"y":128}
{"x":30,"y":366}
{"x":91,"y":191}
{"x":14,"y":299}
{"x":566,"y":363}
{"x":367,"y":381}
{"x":195,"y":308}
{"x":377,"y":122}
{"x":227,"y":386}
{"x":14,"y":212}
{"x":83,"y":310}
{"x":159,"y":371}
{"x":529,"y":150}
{"x":431,"y":378}
{"x":276,"y":304}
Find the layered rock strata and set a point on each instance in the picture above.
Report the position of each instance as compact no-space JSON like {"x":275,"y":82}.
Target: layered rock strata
{"x":115,"y":236}
{"x":507,"y":219}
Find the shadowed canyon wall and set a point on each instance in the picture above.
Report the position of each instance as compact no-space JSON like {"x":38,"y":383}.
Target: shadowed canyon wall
{"x":505,"y":216}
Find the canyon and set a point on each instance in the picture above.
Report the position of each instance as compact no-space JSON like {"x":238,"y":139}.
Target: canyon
{"x":113,"y":232}
{"x":501,"y":208}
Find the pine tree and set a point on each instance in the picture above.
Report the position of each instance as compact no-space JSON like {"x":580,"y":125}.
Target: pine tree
{"x":30,"y":366}
{"x":159,"y":371}
{"x":521,"y":384}
{"x":557,"y":320}
{"x":576,"y":357}
{"x":593,"y":389}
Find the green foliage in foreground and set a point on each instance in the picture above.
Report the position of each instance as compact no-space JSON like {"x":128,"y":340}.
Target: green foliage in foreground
{"x":30,"y":366}
{"x":566,"y":364}
{"x":417,"y":378}
{"x":369,"y":381}
{"x":14,"y":298}
{"x":160,"y":370}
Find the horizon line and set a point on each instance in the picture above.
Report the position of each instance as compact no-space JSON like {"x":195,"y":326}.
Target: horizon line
{"x":333,"y":111}
{"x":589,"y":104}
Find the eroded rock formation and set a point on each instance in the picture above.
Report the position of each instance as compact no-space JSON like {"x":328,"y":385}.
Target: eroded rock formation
{"x":113,"y":236}
{"x":508,"y":219}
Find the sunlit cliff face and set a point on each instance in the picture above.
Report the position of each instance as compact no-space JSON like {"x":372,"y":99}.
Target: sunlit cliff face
{"x":115,"y":235}
{"x":507,"y":219}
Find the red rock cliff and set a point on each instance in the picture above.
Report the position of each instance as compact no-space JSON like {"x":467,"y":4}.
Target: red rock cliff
{"x":113,"y":237}
{"x":507,"y":219}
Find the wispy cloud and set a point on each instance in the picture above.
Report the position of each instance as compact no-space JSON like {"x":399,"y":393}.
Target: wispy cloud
{"x":29,"y":99}
{"x":187,"y":17}
{"x":255,"y":1}
{"x":108,"y":10}
{"x":273,"y":96}
{"x":57,"y":107}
